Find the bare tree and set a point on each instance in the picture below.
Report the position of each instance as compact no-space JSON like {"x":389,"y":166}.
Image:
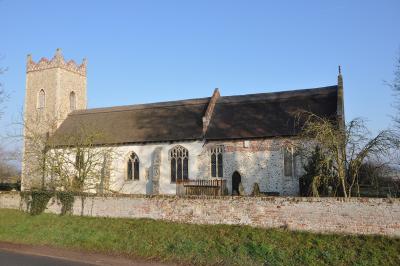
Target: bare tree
{"x":74,"y":162}
{"x":37,"y":128}
{"x":9,"y":172}
{"x":345,"y":150}
{"x":78,"y":163}
{"x":395,"y":85}
{"x":8,"y":169}
{"x":3,"y":94}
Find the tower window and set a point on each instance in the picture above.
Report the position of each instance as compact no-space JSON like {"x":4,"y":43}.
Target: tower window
{"x":41,"y":99}
{"x":179,"y":157}
{"x":133,"y":167}
{"x":217,"y":161}
{"x":72,"y":101}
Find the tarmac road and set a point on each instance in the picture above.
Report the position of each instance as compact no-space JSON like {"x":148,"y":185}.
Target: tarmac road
{"x":13,"y":254}
{"x":9,"y":258}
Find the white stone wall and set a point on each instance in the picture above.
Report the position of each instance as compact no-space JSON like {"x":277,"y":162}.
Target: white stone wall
{"x":10,"y":200}
{"x":145,"y":152}
{"x":261,"y":162}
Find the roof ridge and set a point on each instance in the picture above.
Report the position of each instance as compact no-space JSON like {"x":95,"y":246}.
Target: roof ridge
{"x":142,"y":106}
{"x":223,"y":99}
{"x":274,"y":95}
{"x":286,"y":91}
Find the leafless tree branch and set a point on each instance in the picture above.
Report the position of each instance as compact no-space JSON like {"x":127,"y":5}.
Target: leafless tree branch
{"x":348,"y":149}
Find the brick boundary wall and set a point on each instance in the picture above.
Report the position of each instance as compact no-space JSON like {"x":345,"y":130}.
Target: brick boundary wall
{"x":325,"y":215}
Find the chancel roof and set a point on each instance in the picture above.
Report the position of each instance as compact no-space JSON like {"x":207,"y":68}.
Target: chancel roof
{"x":269,"y":114}
{"x":233,"y":117}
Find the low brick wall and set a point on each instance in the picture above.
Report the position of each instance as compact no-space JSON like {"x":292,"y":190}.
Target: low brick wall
{"x":336,"y":215}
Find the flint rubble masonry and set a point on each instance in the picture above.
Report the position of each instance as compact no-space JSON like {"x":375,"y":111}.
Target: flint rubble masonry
{"x":326,"y":215}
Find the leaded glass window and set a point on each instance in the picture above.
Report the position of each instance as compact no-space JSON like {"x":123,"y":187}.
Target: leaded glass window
{"x":179,"y":157}
{"x":173,"y":170}
{"x":79,"y":160}
{"x":133,"y":167}
{"x":288,"y":161}
{"x":217,"y":164}
{"x":213,"y":165}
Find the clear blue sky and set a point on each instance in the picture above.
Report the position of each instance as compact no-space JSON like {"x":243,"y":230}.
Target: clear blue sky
{"x":147,"y":51}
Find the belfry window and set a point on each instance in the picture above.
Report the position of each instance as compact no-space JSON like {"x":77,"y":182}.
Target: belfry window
{"x":179,"y":157}
{"x":217,"y":165}
{"x":41,"y":99}
{"x":133,"y":167}
{"x":72,"y":101}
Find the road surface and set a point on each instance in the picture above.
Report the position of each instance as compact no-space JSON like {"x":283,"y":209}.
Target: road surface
{"x":9,"y":258}
{"x":12,"y":254}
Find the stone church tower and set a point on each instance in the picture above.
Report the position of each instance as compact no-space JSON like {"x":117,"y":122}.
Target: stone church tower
{"x":54,"y":88}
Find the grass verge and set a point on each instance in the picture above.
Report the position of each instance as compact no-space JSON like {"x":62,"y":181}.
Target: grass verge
{"x":196,"y":244}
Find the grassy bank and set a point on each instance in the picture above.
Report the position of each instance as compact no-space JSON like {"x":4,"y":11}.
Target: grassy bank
{"x":197,"y":244}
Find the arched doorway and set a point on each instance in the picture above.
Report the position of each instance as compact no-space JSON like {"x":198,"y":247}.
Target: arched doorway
{"x":236,"y":179}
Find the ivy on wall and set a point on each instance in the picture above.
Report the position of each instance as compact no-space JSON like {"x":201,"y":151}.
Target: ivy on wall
{"x":37,"y":200}
{"x":67,"y":200}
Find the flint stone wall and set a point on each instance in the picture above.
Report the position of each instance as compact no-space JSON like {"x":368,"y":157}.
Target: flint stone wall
{"x":326,"y":215}
{"x":261,"y":162}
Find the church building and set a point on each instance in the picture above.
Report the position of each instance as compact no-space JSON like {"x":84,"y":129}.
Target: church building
{"x":238,"y":140}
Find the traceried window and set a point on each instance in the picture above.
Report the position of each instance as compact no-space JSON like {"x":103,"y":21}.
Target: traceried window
{"x":41,"y":99}
{"x":288,"y":161}
{"x":217,"y":165}
{"x":133,"y":167}
{"x":179,"y":157}
{"x":72,"y":101}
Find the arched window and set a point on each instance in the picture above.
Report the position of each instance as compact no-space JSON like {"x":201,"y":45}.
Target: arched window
{"x":179,"y":157}
{"x":133,"y":167}
{"x":217,"y":161}
{"x":72,"y":101}
{"x":79,"y":160}
{"x":41,"y":99}
{"x":288,"y":161}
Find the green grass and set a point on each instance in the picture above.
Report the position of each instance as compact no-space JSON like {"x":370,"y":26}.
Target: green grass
{"x":196,"y":244}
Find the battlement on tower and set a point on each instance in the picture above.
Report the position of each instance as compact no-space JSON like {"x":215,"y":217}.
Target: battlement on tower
{"x":56,"y":61}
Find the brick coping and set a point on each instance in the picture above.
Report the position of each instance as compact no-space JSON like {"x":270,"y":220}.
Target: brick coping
{"x":239,"y":198}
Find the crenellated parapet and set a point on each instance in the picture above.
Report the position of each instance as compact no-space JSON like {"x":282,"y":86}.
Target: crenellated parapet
{"x":56,"y":61}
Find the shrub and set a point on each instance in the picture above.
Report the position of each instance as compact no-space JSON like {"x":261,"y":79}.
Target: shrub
{"x":319,"y":178}
{"x":256,"y":190}
{"x":241,"y":189}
